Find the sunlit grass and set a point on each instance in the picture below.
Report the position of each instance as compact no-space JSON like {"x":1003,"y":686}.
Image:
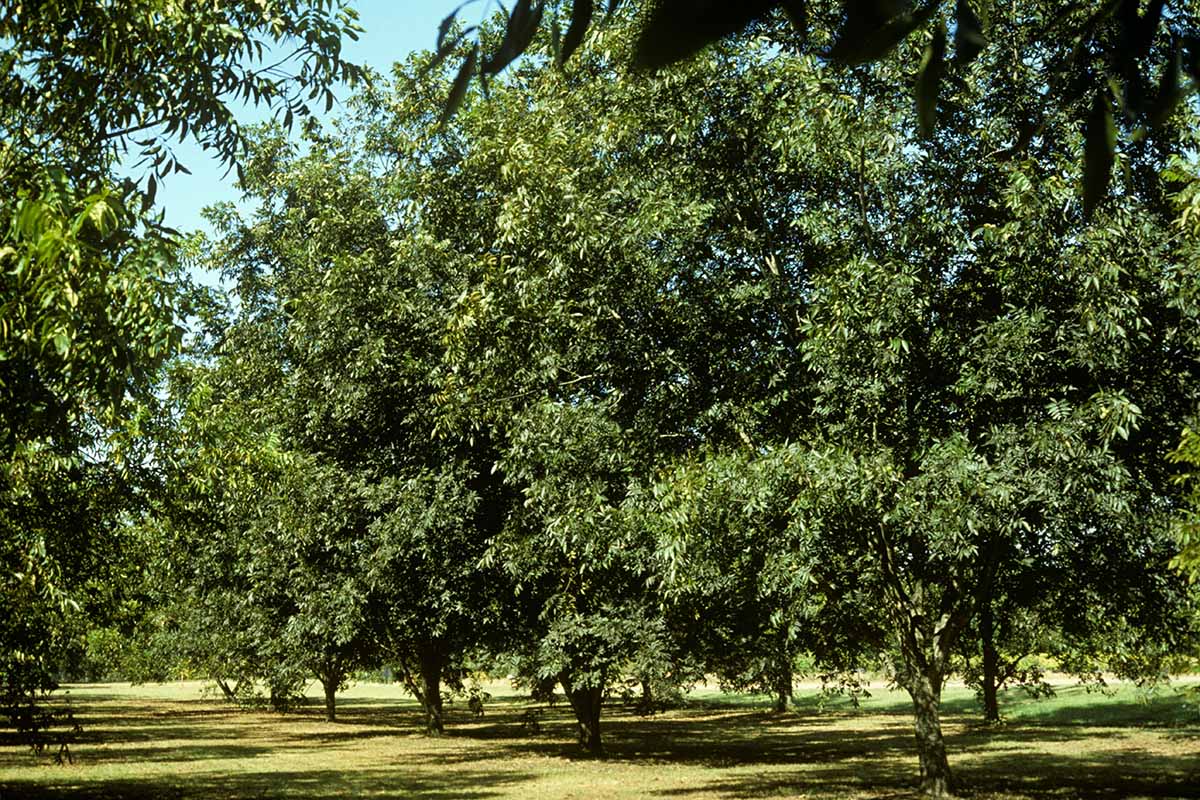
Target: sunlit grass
{"x":172,"y":741}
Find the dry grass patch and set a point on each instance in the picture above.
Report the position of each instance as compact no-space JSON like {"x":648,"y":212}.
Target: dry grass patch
{"x":172,"y":742}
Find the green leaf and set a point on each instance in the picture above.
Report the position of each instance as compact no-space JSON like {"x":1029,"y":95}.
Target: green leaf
{"x":581,"y":19}
{"x":458,"y":90}
{"x":929,"y":79}
{"x":969,"y":39}
{"x":1100,"y":144}
{"x":678,"y":29}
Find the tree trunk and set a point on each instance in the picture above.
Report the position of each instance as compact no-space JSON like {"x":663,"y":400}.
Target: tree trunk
{"x":585,"y":702}
{"x":230,"y":693}
{"x":991,"y":663}
{"x":783,"y":685}
{"x":432,"y":662}
{"x":279,"y":699}
{"x":925,"y":688}
{"x":646,"y":705}
{"x":330,"y":684}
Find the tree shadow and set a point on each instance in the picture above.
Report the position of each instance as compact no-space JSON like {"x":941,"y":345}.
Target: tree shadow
{"x":817,"y":753}
{"x":265,"y":785}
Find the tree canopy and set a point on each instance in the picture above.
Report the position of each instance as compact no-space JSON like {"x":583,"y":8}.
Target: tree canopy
{"x":1116,"y":69}
{"x":738,"y":365}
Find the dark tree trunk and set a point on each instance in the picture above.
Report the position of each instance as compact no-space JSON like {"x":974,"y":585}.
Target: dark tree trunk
{"x":925,"y":688}
{"x":230,"y":693}
{"x":330,"y":684}
{"x":991,"y":663}
{"x":647,"y":703}
{"x":279,"y":699}
{"x":585,"y":702}
{"x":432,"y":662}
{"x":783,"y":685}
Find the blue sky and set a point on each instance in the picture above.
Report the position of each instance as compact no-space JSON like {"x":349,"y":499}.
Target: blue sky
{"x":394,"y":28}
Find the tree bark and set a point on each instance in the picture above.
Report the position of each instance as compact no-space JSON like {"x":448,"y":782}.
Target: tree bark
{"x":279,"y":699}
{"x":783,"y":685}
{"x":230,"y":693}
{"x":925,"y":688}
{"x":586,"y":702}
{"x":991,"y":663}
{"x":330,"y":684}
{"x":432,"y":662}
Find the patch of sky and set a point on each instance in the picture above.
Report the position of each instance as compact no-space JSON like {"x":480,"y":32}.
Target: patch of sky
{"x":392,"y":30}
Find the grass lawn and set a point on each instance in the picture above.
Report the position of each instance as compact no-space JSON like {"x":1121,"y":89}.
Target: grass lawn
{"x":172,"y":741}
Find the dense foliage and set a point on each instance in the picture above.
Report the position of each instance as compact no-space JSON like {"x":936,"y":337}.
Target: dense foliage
{"x":92,"y":292}
{"x":612,"y":381}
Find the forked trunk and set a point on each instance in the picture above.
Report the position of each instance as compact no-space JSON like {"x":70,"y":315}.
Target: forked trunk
{"x":585,"y":702}
{"x":229,"y":692}
{"x":926,"y":692}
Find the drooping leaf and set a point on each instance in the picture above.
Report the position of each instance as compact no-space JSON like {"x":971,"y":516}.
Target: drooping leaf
{"x":458,"y":90}
{"x":444,"y":27}
{"x":797,"y":13}
{"x":929,"y":80}
{"x":1169,"y":92}
{"x":873,"y":27}
{"x":1147,"y":28}
{"x":522,"y":25}
{"x":1190,"y":53}
{"x":581,"y":20}
{"x":677,"y":29}
{"x":1099,"y":147}
{"x":969,"y":39}
{"x":556,"y":40}
{"x":442,"y":53}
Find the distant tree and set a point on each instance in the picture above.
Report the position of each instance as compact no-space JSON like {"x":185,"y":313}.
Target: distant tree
{"x":609,"y":313}
{"x":725,"y":522}
{"x":336,"y":351}
{"x":1187,"y":527}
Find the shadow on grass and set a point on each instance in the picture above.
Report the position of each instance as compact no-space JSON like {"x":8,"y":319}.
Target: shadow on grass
{"x":311,"y":784}
{"x":823,"y":755}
